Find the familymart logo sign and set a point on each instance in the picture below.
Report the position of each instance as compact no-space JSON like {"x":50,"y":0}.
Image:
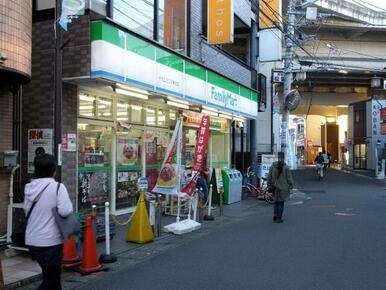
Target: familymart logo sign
{"x":220,"y":21}
{"x":223,"y":98}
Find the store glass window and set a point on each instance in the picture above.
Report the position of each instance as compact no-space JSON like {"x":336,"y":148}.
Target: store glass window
{"x":171,"y":23}
{"x":151,"y":116}
{"x":161,"y":119}
{"x":172,"y":117}
{"x":190,"y":135}
{"x":136,"y":113}
{"x":220,"y":149}
{"x":105,"y":108}
{"x":87,"y":106}
{"x":123,"y":109}
{"x":155,"y":146}
{"x":136,"y":15}
{"x":129,"y":167}
{"x":94,"y":165}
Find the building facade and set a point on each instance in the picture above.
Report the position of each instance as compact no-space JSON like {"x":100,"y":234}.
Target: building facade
{"x":128,"y":70}
{"x":15,"y":70}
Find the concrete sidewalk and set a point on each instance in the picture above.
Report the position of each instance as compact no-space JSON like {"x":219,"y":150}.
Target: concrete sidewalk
{"x":129,"y":254}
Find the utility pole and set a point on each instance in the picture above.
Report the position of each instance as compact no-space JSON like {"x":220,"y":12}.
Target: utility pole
{"x":58,"y":89}
{"x":288,"y":78}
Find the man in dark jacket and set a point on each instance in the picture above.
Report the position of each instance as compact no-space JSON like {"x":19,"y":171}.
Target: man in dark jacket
{"x":280,"y":182}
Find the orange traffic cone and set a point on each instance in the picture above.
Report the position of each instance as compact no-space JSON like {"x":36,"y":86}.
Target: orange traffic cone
{"x":90,"y":262}
{"x":70,"y":256}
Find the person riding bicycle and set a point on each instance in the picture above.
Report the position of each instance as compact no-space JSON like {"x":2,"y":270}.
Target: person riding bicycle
{"x":319,"y":161}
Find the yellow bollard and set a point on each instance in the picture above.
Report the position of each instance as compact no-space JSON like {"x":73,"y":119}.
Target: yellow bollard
{"x":140,"y":230}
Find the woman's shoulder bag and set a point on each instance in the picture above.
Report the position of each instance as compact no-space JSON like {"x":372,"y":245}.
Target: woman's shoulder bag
{"x":68,"y":225}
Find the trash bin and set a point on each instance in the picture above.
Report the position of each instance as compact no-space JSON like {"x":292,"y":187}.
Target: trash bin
{"x":232,"y":180}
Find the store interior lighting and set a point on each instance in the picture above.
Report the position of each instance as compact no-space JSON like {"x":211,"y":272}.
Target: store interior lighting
{"x":178,"y":101}
{"x":86,"y":107}
{"x":123,"y":105}
{"x":206,"y":108}
{"x":136,"y":107}
{"x":177,"y":104}
{"x":105,"y":102}
{"x":122,"y":113}
{"x":86,"y":98}
{"x":225,"y":116}
{"x":207,"y":112}
{"x":131,"y":94}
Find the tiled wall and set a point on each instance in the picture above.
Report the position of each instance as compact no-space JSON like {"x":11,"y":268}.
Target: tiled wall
{"x":214,"y":58}
{"x":6,"y":100}
{"x":38,"y":103}
{"x":15,"y":34}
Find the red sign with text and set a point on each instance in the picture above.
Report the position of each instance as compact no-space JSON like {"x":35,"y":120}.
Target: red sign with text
{"x":199,"y":154}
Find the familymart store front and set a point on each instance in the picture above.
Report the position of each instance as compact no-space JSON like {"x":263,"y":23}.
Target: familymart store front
{"x":128,"y":108}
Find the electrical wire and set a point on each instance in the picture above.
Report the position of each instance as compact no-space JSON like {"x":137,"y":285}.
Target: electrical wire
{"x":292,"y":36}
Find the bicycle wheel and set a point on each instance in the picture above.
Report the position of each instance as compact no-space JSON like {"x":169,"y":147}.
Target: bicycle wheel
{"x":269,"y":198}
{"x":245,"y":193}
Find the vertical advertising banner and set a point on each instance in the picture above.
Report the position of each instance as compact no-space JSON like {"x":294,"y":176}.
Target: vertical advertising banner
{"x":199,"y":154}
{"x":168,"y":178}
{"x":220,"y":21}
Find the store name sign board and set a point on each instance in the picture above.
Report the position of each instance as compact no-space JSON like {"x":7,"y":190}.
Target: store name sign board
{"x":123,"y":57}
{"x":220,"y":21}
{"x":194,"y":119}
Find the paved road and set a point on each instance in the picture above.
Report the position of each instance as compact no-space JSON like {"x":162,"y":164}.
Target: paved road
{"x":336,"y":240}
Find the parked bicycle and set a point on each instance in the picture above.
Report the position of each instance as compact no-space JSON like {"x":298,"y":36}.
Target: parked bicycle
{"x":260,"y":192}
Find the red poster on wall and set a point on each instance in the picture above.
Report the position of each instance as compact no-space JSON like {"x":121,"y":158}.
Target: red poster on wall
{"x":199,"y":154}
{"x":383,"y":114}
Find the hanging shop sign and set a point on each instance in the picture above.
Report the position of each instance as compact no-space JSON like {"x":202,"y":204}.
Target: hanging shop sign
{"x":122,"y":57}
{"x":266,"y":162}
{"x":376,"y":118}
{"x":40,"y":141}
{"x":168,"y":181}
{"x":220,"y":21}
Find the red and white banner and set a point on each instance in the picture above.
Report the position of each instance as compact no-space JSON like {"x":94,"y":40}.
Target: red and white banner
{"x":199,"y":154}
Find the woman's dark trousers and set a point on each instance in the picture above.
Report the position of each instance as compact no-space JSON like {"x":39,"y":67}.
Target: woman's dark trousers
{"x":50,"y":260}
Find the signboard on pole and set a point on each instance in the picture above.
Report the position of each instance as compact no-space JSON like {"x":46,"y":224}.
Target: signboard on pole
{"x":266,"y":162}
{"x":220,"y":21}
{"x":40,"y":141}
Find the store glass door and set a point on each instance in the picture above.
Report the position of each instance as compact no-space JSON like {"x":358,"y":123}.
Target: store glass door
{"x":156,"y":143}
{"x":360,"y":156}
{"x":94,"y":165}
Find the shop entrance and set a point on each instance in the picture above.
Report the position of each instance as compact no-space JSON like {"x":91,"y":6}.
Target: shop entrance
{"x":360,"y":151}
